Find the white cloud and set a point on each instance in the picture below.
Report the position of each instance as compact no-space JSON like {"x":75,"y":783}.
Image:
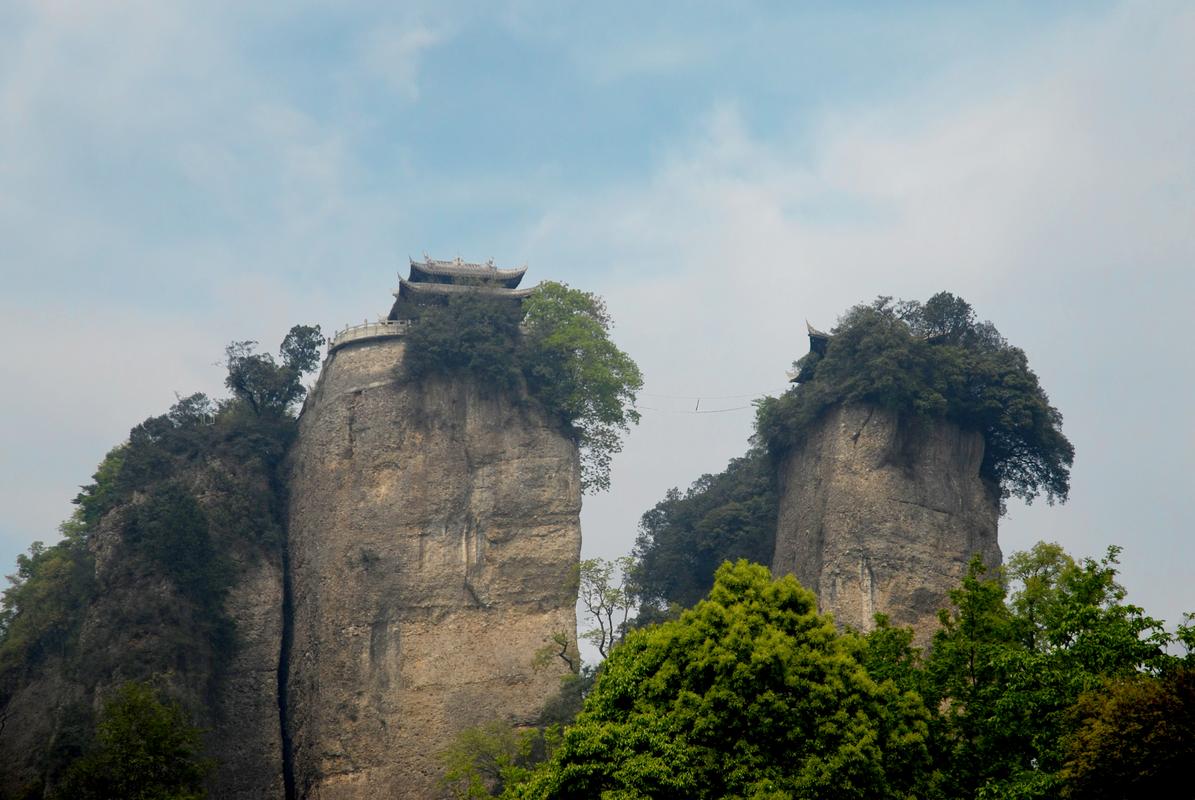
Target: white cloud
{"x":1058,"y":201}
{"x":394,"y":53}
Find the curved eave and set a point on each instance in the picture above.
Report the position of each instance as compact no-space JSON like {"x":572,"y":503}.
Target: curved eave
{"x":411,"y":292}
{"x":429,"y":271}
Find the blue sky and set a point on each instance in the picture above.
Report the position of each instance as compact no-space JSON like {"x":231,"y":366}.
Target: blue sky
{"x":175,"y":176}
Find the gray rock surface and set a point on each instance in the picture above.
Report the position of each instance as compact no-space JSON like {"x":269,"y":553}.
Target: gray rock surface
{"x":879,"y":514}
{"x":139,"y":627}
{"x":434,"y":535}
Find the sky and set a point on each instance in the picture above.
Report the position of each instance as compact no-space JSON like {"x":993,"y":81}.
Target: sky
{"x":176,"y":176}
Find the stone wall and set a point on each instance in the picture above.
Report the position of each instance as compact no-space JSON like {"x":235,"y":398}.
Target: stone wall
{"x":434,"y":535}
{"x":882,"y":515}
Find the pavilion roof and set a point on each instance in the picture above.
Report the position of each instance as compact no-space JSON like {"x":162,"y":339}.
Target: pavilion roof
{"x":434,"y":270}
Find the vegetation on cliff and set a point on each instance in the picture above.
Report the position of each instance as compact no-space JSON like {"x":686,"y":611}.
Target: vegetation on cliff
{"x":168,"y":509}
{"x":144,"y":749}
{"x":684,"y":537}
{"x":556,"y":344}
{"x":933,"y":359}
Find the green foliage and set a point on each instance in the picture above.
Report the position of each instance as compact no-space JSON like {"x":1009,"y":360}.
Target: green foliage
{"x":265,"y":385}
{"x":170,"y":530}
{"x":1132,"y":737}
{"x":144,"y":750}
{"x":1007,"y":674}
{"x":684,"y":538}
{"x":43,"y":607}
{"x":749,"y":694}
{"x":579,"y":374}
{"x":607,"y":599}
{"x":489,"y":759}
{"x":469,"y":334}
{"x":557,"y":345}
{"x":933,"y":360}
{"x":187,"y":490}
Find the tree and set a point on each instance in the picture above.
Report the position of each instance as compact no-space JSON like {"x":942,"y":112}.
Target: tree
{"x":557,"y":345}
{"x":607,"y":599}
{"x":933,"y":360}
{"x":1007,"y":674}
{"x":686,"y":536}
{"x":144,"y":750}
{"x":751,"y":693}
{"x":468,"y":334}
{"x":267,"y":386}
{"x":1133,"y":737}
{"x":577,"y":371}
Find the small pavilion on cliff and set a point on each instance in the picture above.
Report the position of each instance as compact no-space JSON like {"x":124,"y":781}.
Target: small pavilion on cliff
{"x":432,"y":281}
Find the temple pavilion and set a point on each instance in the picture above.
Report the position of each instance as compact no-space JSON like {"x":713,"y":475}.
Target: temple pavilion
{"x":432,"y":281}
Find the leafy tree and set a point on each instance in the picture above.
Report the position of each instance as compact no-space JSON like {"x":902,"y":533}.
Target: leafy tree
{"x":933,"y":360}
{"x":1007,"y":674}
{"x":557,"y":344}
{"x":607,"y":599}
{"x":469,"y":333}
{"x":43,"y":607}
{"x":751,"y":693}
{"x":486,"y":760}
{"x":684,"y":538}
{"x":1133,"y":737}
{"x":578,"y":373}
{"x":144,"y":750}
{"x":267,"y":386}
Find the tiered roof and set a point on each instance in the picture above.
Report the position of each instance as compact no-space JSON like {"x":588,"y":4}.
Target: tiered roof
{"x":432,"y":280}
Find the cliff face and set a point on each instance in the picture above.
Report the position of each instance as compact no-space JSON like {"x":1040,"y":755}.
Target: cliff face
{"x":883,"y":515}
{"x":434,"y":535}
{"x":141,"y":626}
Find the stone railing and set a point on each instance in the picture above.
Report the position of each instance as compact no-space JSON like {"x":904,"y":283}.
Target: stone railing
{"x":369,"y":330}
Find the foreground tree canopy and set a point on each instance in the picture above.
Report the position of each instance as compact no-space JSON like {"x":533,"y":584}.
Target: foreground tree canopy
{"x":933,"y":359}
{"x":752,"y":693}
{"x":557,"y":345}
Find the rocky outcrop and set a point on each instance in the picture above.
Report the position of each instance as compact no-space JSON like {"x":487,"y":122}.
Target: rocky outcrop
{"x":882,"y":514}
{"x":139,"y":626}
{"x":434,"y":536}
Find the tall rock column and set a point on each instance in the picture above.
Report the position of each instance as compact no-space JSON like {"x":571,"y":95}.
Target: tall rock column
{"x":880,"y":514}
{"x":434,"y":536}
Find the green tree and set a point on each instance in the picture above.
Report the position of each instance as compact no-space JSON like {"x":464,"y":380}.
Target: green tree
{"x":608,"y":600}
{"x":144,"y":750}
{"x":469,"y":333}
{"x":751,"y":693}
{"x":265,"y":385}
{"x":1133,"y":737}
{"x":1007,"y":673}
{"x":42,"y":608}
{"x":577,"y":371}
{"x":486,"y":760}
{"x":933,"y":360}
{"x":685,"y":537}
{"x":556,"y":344}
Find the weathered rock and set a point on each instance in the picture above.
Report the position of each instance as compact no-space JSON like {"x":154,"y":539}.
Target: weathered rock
{"x":434,"y":536}
{"x":882,"y":514}
{"x":140,"y":627}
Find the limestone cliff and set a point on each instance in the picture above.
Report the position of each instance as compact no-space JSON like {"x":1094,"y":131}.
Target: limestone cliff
{"x":882,"y":514}
{"x":433,"y":539}
{"x":140,"y":625}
